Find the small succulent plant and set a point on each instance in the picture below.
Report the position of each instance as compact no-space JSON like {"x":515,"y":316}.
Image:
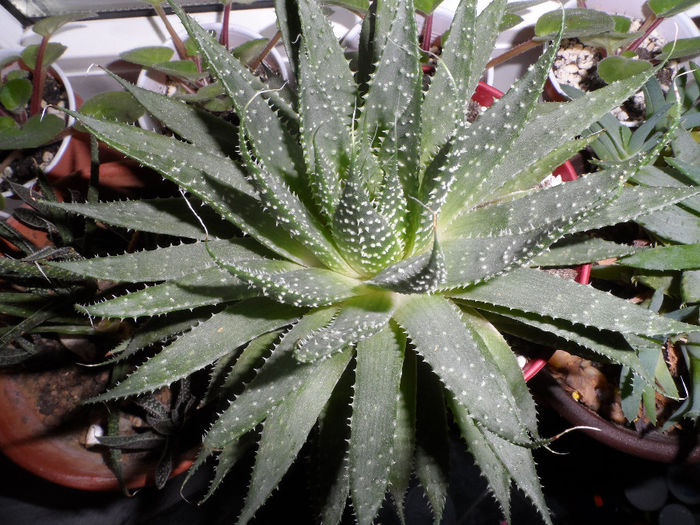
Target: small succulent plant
{"x":353,"y":256}
{"x":22,"y":83}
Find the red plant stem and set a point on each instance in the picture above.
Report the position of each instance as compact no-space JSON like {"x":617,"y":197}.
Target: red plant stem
{"x":584,"y":274}
{"x":652,"y":23}
{"x":38,"y":79}
{"x":177,"y":41}
{"x":223,"y":37}
{"x":513,"y":52}
{"x":255,"y":64}
{"x":427,"y":33}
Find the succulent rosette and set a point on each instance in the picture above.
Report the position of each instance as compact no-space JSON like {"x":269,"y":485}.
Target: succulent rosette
{"x":354,"y":250}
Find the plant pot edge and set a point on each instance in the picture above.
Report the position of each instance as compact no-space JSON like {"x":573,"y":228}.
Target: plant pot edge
{"x":72,"y":105}
{"x":653,"y":446}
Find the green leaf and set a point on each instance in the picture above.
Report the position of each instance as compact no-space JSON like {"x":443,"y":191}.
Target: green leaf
{"x":35,"y":132}
{"x":426,"y":6}
{"x":397,"y":73}
{"x":332,"y":485}
{"x":614,"y":40}
{"x":518,"y":461}
{"x":545,"y":294}
{"x":397,"y":117}
{"x":615,"y":68}
{"x":232,"y":372}
{"x":7,"y":123}
{"x":214,"y":179}
{"x":509,"y":21}
{"x":490,"y":339}
{"x":691,"y":171}
{"x":15,"y":93}
{"x":577,"y":23}
{"x":488,"y":462}
{"x":419,"y":274}
{"x":690,"y":286}
{"x":52,"y":53}
{"x":363,"y":236}
{"x":279,"y":376}
{"x":564,"y":203}
{"x":262,"y":124}
{"x":582,"y":250}
{"x":287,"y":428}
{"x":492,"y":136}
{"x":633,"y":203}
{"x":684,"y":47}
{"x":557,"y":333}
{"x":113,"y":105}
{"x":250,"y":50}
{"x":463,"y":58}
{"x":49,"y":25}
{"x":435,"y":327}
{"x":148,"y":56}
{"x":294,"y":284}
{"x":666,"y":8}
{"x":167,"y":216}
{"x":404,"y":436}
{"x":685,"y":257}
{"x":535,"y":173}
{"x":155,"y":330}
{"x":375,"y":405}
{"x":208,"y":287}
{"x":326,"y":103}
{"x":359,"y":6}
{"x":358,"y":319}
{"x":162,"y":264}
{"x":289,"y":210}
{"x":183,"y":163}
{"x":675,"y":224}
{"x":189,"y":122}
{"x":548,"y":130}
{"x":432,"y":462}
{"x":204,"y":344}
{"x":184,"y":69}
{"x":226,"y":460}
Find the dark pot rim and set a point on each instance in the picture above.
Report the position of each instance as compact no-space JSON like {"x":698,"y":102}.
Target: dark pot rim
{"x":653,"y":446}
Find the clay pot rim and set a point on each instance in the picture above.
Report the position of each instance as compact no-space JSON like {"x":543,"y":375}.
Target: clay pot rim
{"x":45,"y":456}
{"x":653,"y":446}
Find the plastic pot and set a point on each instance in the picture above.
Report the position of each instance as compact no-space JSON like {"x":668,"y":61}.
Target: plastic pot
{"x":670,"y":29}
{"x":57,"y":73}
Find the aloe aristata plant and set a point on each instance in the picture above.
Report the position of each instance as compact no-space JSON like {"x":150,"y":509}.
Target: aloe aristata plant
{"x":353,"y":250}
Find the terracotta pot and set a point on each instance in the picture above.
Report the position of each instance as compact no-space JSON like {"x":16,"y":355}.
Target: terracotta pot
{"x":43,"y":430}
{"x":117,"y":172}
{"x":653,"y":445}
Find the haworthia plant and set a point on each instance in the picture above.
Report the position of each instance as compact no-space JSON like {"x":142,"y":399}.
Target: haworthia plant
{"x":381,"y":241}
